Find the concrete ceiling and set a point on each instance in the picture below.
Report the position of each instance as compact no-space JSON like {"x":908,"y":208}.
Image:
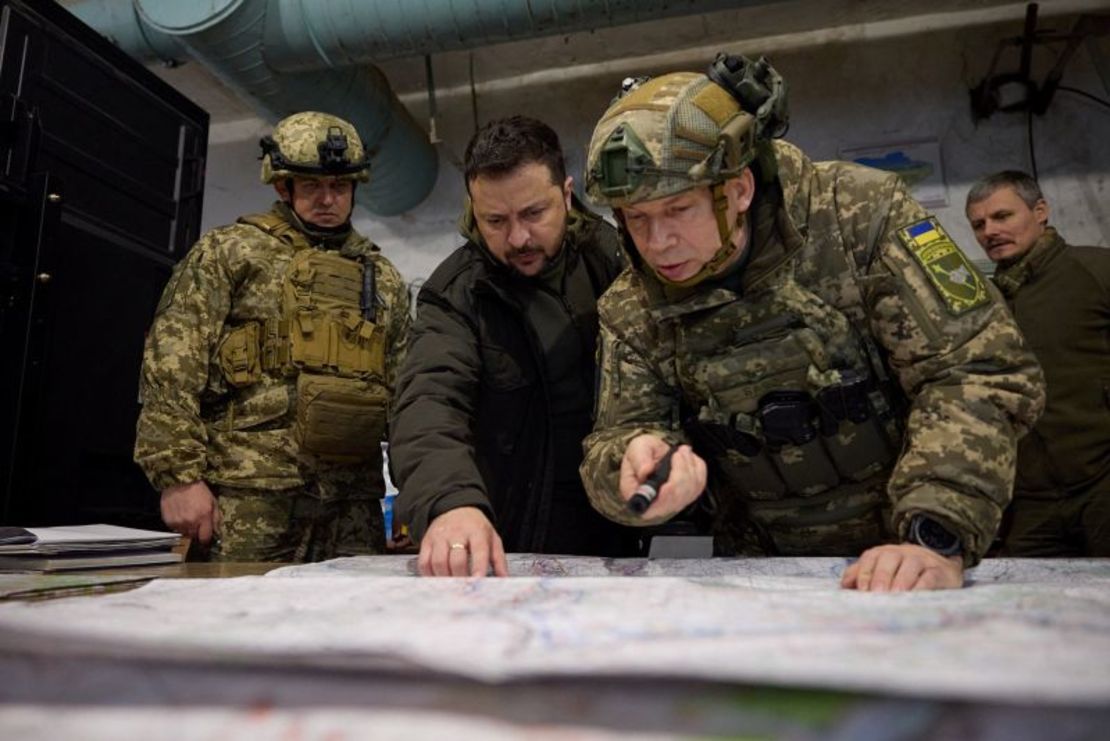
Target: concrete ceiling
{"x":652,"y":46}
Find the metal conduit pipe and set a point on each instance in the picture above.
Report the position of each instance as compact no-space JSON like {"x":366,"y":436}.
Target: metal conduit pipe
{"x":271,"y":52}
{"x":226,"y":36}
{"x":120,"y":23}
{"x":310,"y":34}
{"x":303,"y":34}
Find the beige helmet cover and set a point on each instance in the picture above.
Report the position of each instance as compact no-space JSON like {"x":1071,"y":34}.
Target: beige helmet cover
{"x":678,"y":119}
{"x":299,"y":147}
{"x":670,"y":134}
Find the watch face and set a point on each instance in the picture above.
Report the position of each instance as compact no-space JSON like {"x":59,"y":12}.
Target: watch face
{"x":935,"y":536}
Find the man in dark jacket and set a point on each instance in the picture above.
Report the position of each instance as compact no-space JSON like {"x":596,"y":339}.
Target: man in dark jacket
{"x":1060,"y":296}
{"x":497,"y":391}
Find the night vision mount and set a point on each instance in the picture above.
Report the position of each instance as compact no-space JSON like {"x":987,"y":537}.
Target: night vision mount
{"x":333,"y":150}
{"x":758,"y":88}
{"x":332,"y":153}
{"x":761,"y":93}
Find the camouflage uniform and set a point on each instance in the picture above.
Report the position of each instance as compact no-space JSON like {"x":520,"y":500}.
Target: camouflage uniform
{"x":202,"y":422}
{"x":834,"y":290}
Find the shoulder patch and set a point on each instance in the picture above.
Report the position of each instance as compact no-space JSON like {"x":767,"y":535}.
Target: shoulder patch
{"x":955,"y":280}
{"x":169,"y":291}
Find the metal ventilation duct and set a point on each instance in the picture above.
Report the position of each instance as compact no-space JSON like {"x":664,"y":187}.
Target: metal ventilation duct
{"x":284,"y":56}
{"x":307,"y":33}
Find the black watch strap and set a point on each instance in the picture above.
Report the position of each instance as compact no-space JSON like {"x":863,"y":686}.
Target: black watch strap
{"x":927,"y":532}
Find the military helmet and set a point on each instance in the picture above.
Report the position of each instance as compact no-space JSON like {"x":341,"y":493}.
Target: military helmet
{"x":665,"y":135}
{"x":313,"y":144}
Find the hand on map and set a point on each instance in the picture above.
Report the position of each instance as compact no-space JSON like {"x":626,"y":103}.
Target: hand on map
{"x":901,"y":568}
{"x":683,"y":486}
{"x":191,"y":509}
{"x":461,"y":542}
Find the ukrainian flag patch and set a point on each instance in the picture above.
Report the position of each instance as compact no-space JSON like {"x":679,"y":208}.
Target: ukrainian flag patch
{"x":959,"y":285}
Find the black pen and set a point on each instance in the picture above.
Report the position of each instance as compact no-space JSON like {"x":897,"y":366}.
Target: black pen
{"x":647,"y":492}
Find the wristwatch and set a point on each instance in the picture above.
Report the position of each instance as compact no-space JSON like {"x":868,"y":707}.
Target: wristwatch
{"x":927,"y":532}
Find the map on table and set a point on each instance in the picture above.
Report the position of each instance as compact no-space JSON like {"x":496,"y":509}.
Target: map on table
{"x":1022,"y":631}
{"x":824,"y":569}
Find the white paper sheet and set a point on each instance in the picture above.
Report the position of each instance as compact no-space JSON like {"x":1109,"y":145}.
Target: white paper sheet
{"x":1043,"y":637}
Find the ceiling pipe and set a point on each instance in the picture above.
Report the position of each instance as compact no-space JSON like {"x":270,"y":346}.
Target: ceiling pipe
{"x":226,"y":36}
{"x":303,"y":34}
{"x":121,"y":24}
{"x":283,"y":56}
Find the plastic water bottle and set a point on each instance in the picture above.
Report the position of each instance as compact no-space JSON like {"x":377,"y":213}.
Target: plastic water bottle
{"x":390,"y":494}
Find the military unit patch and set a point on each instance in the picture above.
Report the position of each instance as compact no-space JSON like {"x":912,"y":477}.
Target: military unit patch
{"x":959,"y":285}
{"x":169,"y":291}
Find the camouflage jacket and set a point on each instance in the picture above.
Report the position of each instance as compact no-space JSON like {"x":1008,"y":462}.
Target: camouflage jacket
{"x":193,"y":425}
{"x":1060,"y":297}
{"x":827,"y":245}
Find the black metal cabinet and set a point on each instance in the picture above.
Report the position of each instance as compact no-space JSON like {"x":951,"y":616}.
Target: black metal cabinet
{"x":101,"y":183}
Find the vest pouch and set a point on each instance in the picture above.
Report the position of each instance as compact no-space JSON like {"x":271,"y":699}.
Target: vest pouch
{"x":790,"y":423}
{"x":734,"y":442}
{"x":860,"y":450}
{"x":240,"y":357}
{"x":358,"y":346}
{"x":301,"y":277}
{"x":760,"y":479}
{"x":322,"y":299}
{"x":310,"y":339}
{"x":339,"y":419}
{"x":855,"y":437}
{"x":805,"y":469}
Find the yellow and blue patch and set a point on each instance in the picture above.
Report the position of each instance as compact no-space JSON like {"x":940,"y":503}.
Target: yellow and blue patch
{"x":956,"y":281}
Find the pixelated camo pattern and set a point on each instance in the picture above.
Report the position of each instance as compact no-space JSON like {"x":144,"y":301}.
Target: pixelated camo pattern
{"x":299,"y":137}
{"x":193,"y":426}
{"x":973,"y":386}
{"x":298,"y":525}
{"x":677,"y":117}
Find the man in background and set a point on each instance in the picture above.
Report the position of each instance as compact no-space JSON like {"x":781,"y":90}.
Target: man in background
{"x":268,"y":368}
{"x":498,"y":388}
{"x":1060,"y":296}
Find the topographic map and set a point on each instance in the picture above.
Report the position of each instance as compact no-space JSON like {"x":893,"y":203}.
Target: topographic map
{"x":1019,"y":632}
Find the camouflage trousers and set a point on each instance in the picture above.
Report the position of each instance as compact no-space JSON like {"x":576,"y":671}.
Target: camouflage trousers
{"x":1071,"y":527}
{"x":296,"y":525}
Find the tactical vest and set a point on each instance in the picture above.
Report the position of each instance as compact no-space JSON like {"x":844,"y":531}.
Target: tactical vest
{"x":787,"y":400}
{"x":328,"y":338}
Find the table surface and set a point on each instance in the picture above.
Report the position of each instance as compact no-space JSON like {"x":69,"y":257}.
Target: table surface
{"x":240,"y":674}
{"x":29,"y":585}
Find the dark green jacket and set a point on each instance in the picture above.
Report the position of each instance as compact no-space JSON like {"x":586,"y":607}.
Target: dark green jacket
{"x":470,"y":417}
{"x":1060,"y":296}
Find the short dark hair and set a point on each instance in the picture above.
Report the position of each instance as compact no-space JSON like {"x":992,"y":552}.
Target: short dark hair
{"x":505,"y":144}
{"x":1023,"y":184}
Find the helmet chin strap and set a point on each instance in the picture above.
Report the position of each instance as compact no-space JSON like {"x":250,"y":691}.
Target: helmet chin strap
{"x":729,"y":244}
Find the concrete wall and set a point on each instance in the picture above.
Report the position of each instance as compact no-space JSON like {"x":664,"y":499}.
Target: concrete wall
{"x":848,"y":88}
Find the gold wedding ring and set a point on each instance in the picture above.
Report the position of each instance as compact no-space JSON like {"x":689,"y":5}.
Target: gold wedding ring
{"x":458,"y":546}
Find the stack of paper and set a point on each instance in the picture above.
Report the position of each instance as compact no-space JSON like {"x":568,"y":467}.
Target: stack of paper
{"x":84,"y":547}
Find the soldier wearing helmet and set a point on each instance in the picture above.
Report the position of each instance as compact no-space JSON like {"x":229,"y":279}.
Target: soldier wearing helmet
{"x":269,"y":366}
{"x":823,"y":360}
